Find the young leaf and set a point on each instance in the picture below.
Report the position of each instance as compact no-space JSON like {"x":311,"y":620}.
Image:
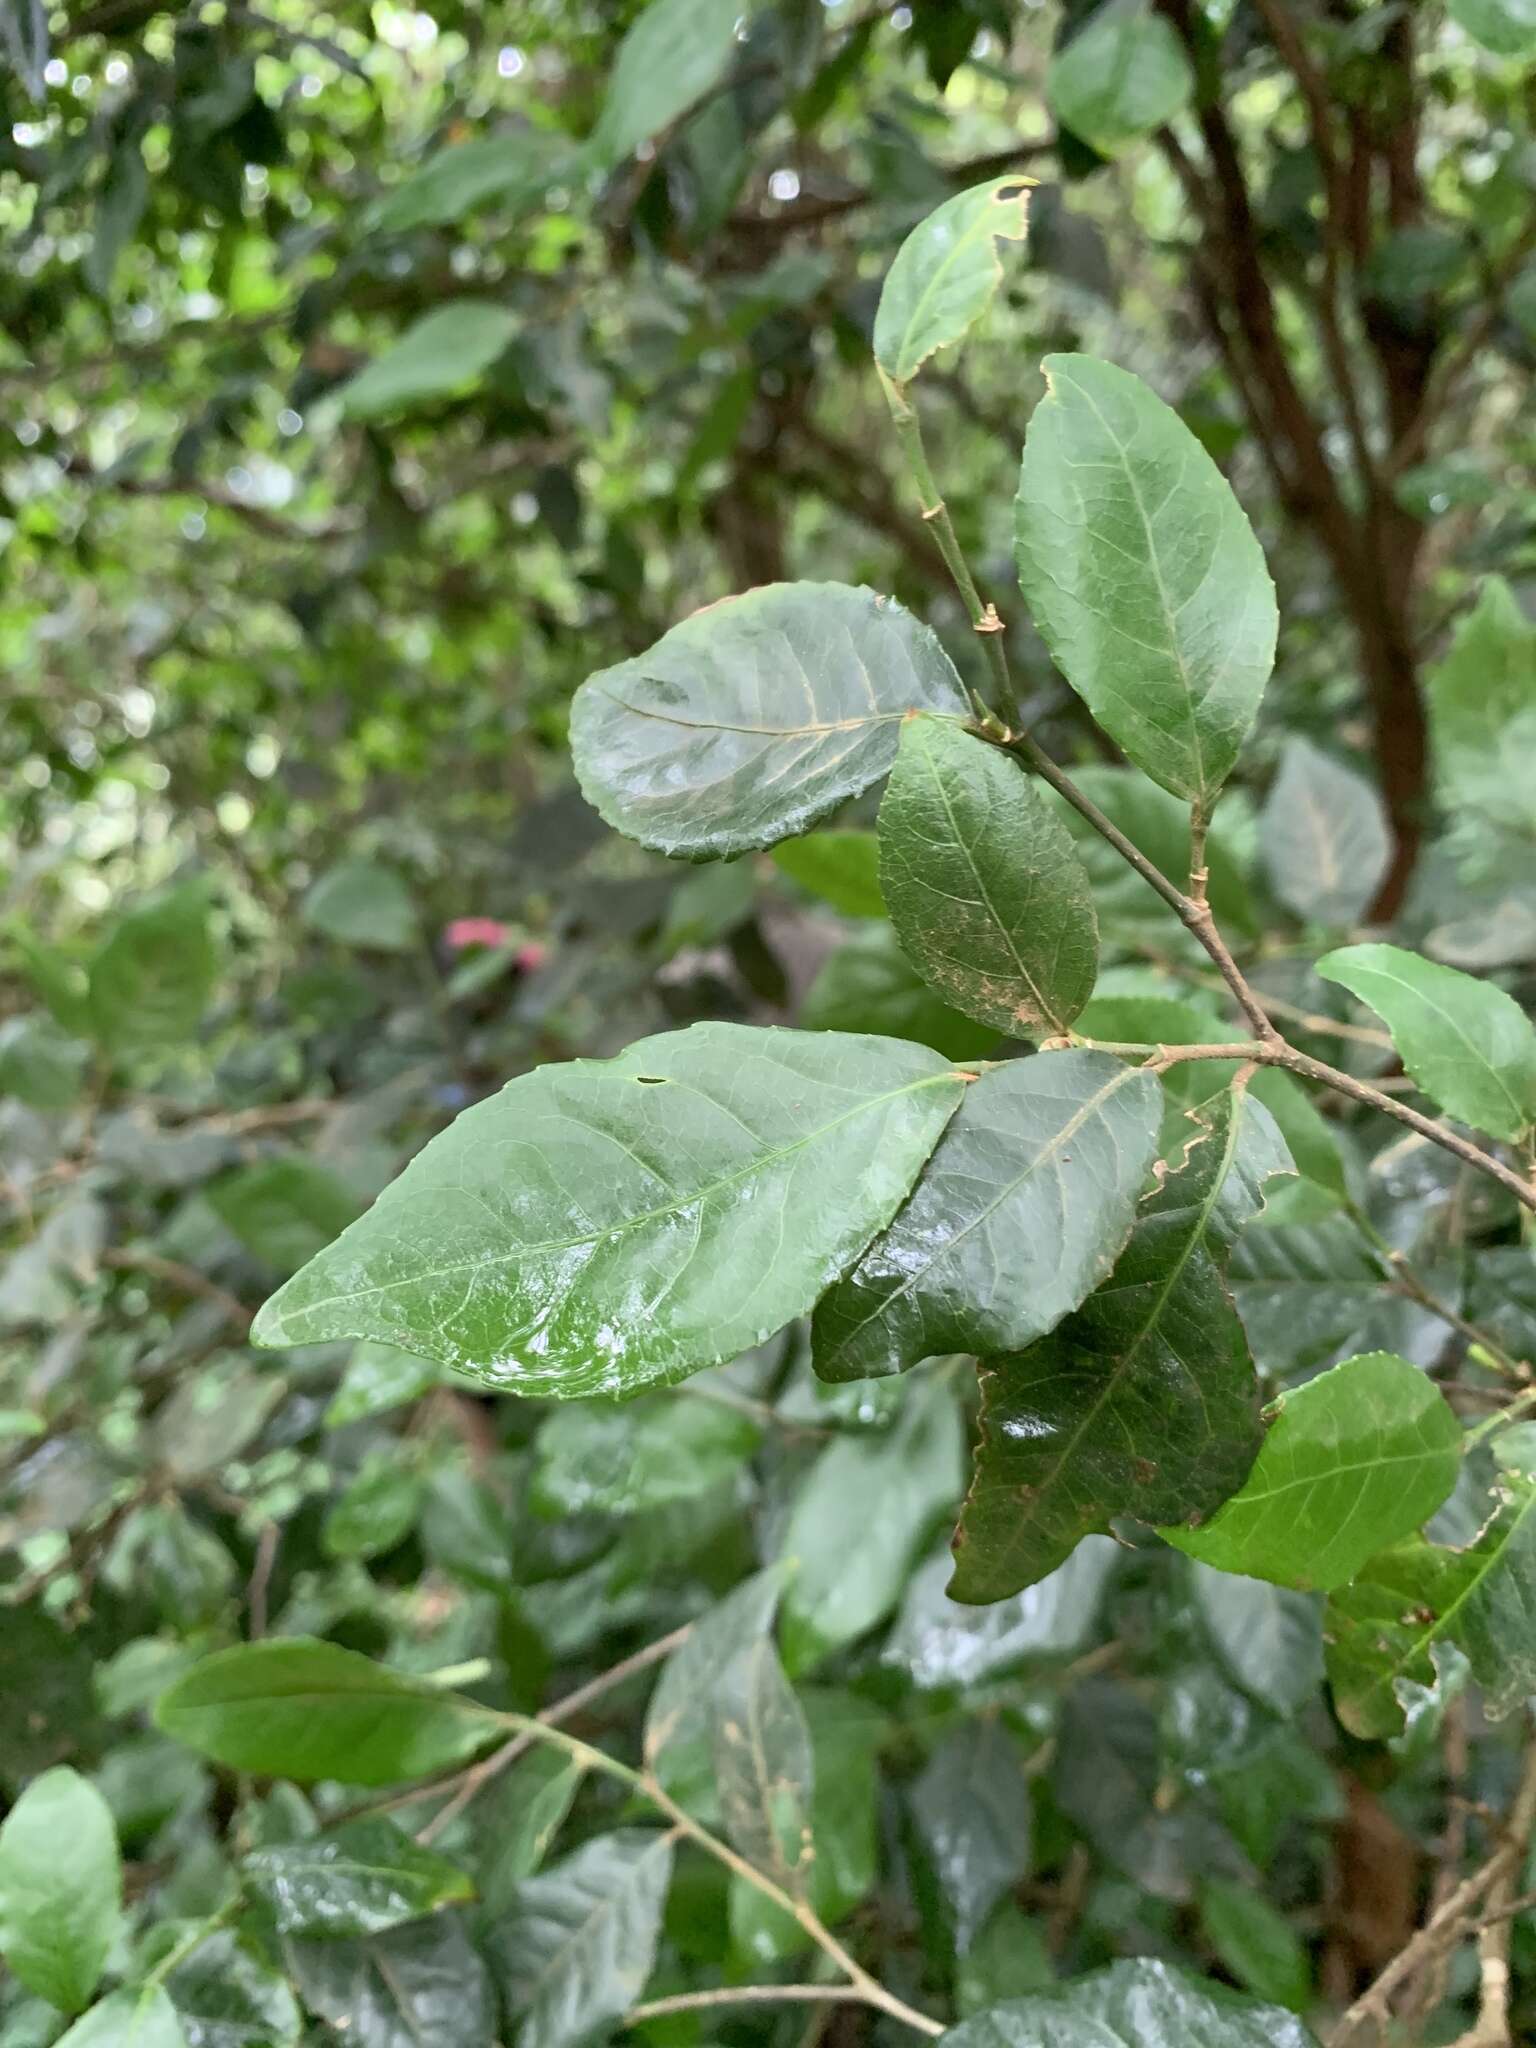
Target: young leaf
{"x":357,"y":1879}
{"x":1467,"y":1044}
{"x":128,"y":2019}
{"x":1325,"y":837}
{"x":1381,"y":1627}
{"x":672,"y":54}
{"x":605,"y":1224}
{"x":973,"y":1810}
{"x":305,"y":1709}
{"x":755,"y":717}
{"x":1015,"y":1219}
{"x":151,"y":980}
{"x":577,"y":1951}
{"x":985,"y":891}
{"x":440,"y":355}
{"x":842,"y":868}
{"x":762,"y":1750}
{"x":946,"y":274}
{"x":1144,"y":1402}
{"x":865,"y":1508}
{"x":1355,"y":1460}
{"x":1143,"y":575}
{"x":1482,"y":708}
{"x":61,"y":1888}
{"x":1121,"y":77}
{"x":1134,"y":2005}
{"x":418,"y":1986}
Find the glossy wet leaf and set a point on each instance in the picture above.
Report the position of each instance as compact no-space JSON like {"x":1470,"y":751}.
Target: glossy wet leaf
{"x":946,"y":274}
{"x":984,"y":888}
{"x":226,"y":1997}
{"x":128,"y":2019}
{"x":1143,"y":575}
{"x":1352,"y":1462}
{"x":937,"y":1641}
{"x":869,"y":984}
{"x":619,"y":1458}
{"x":1382,"y":1627}
{"x":362,"y":903}
{"x":842,"y":868}
{"x":61,"y":1888}
{"x":859,"y":1519}
{"x":673,"y":53}
{"x":357,"y":1879}
{"x":1144,"y":1402}
{"x":609,"y":1223}
{"x":1018,"y":1215}
{"x":304,"y":1709}
{"x":1326,"y":840}
{"x":679,"y":1724}
{"x":763,"y":1768}
{"x":753,"y":719}
{"x":445,"y":352}
{"x":973,"y":1811}
{"x":1134,"y":2005}
{"x":418,"y":1986}
{"x":1468,"y":1044}
{"x":1120,"y":77}
{"x":1269,"y":1638}
{"x":580,"y":1944}
{"x":153,"y":977}
{"x":1482,"y":709}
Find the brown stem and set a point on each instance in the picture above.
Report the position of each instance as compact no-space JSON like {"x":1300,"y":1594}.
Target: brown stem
{"x":747,"y":1994}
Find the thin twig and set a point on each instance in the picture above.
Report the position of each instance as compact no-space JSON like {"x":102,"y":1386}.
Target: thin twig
{"x":746,"y":1994}
{"x":261,"y":1578}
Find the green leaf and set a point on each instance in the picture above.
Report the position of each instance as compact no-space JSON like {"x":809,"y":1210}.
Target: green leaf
{"x":1143,"y":575}
{"x":1121,"y":77}
{"x":1018,"y":1215}
{"x":1482,"y":708}
{"x":304,"y":1709}
{"x":1269,"y":1638}
{"x":226,"y":1997}
{"x":520,"y":1817}
{"x":513,"y":168}
{"x":444,"y":353}
{"x":1008,"y":1958}
{"x":601,"y":1225}
{"x":418,"y":1986}
{"x":946,"y":274}
{"x":60,"y":1888}
{"x":1325,"y":836}
{"x":362,"y":903}
{"x":1134,"y":2005}
{"x":1507,"y":27}
{"x":1145,"y":1402}
{"x":212,"y":1417}
{"x":670,"y":58}
{"x":679,"y":1725}
{"x":1353,"y":1461}
{"x":377,"y":1509}
{"x":1381,"y":1628}
{"x":128,"y":2019}
{"x":762,"y":1750}
{"x":842,"y":868}
{"x":1467,"y":1044}
{"x":620,"y":1458}
{"x":869,"y":984}
{"x":865,"y":1508}
{"x":938,"y":1642}
{"x":120,"y":202}
{"x":577,"y":1951}
{"x":359,"y":1878}
{"x":757,"y":716}
{"x":973,"y":1811}
{"x":40,"y":1064}
{"x":1255,"y":1944}
{"x":151,"y":980}
{"x":379,"y":1377}
{"x":283,"y":1211}
{"x":985,"y":891}
{"x":1158,"y":825}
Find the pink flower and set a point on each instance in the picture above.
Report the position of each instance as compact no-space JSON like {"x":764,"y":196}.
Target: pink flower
{"x":476,"y":931}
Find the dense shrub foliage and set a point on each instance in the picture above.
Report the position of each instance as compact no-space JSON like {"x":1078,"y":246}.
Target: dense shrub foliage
{"x":767,"y":1269}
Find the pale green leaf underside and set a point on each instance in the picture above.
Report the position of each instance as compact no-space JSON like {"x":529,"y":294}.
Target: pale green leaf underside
{"x":1468,"y":1044}
{"x":1143,"y":575}
{"x":1507,"y":27}
{"x":1134,"y":2005}
{"x":984,"y":886}
{"x":1324,"y":835}
{"x":754,"y":718}
{"x":442,"y":353}
{"x":1482,"y":708}
{"x":1355,"y":1460}
{"x":1018,"y":1215}
{"x":1119,"y":78}
{"x":605,"y":1224}
{"x":946,"y":274}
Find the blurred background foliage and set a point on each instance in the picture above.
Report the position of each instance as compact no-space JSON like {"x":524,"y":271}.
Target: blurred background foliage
{"x":373,"y":375}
